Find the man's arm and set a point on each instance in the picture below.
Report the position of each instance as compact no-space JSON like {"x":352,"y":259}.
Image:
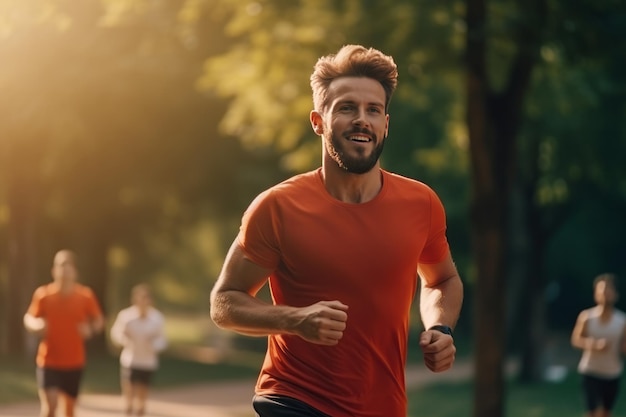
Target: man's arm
{"x":92,"y":327}
{"x":234,"y":306}
{"x":36,"y":325}
{"x":33,"y":320}
{"x":441,"y":295}
{"x":95,"y":322}
{"x":441,"y":298}
{"x":581,"y":340}
{"x":117,"y":332}
{"x":159,"y":343}
{"x":578,"y":338}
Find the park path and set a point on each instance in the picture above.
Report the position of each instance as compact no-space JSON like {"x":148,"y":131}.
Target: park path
{"x":217,"y":399}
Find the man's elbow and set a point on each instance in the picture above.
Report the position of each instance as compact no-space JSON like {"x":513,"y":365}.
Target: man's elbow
{"x":98,"y":325}
{"x":33,"y":324}
{"x":26,"y":321}
{"x":218,"y":311}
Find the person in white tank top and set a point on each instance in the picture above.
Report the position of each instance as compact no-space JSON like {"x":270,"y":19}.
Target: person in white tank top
{"x":139,"y":330}
{"x":600,"y":332}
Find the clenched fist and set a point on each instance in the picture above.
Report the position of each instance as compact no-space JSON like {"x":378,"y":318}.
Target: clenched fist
{"x":438,"y":349}
{"x":322,"y":323}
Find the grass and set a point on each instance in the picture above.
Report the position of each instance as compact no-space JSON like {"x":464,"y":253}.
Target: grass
{"x":544,"y":399}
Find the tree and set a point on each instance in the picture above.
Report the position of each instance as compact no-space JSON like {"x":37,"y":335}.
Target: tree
{"x":494,"y":113}
{"x":102,"y":129}
{"x":568,"y":157}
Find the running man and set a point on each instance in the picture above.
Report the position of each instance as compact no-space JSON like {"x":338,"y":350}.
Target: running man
{"x":600,"y":332}
{"x":344,"y":248}
{"x":64,"y":314}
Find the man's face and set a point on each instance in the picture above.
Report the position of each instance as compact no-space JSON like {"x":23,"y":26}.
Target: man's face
{"x":355,"y":123}
{"x":605,"y":293}
{"x":142,"y":298}
{"x":64,"y":268}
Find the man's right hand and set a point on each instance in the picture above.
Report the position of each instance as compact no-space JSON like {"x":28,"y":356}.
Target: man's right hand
{"x":322,"y":323}
{"x":36,"y":325}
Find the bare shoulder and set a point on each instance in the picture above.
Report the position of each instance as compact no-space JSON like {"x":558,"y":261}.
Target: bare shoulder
{"x":584,"y":315}
{"x":42,"y":291}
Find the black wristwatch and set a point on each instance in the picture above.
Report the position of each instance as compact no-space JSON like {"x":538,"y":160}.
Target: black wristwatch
{"x":442,"y":329}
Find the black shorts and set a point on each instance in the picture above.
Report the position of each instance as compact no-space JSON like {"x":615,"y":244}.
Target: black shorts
{"x":66,"y":380}
{"x":280,"y":406}
{"x":137,"y":376}
{"x":600,"y":392}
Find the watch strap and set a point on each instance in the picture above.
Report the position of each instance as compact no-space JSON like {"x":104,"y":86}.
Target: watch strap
{"x":443,"y":329}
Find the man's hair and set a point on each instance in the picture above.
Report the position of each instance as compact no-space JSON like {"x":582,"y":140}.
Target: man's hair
{"x":606,"y":277}
{"x":138,"y":288}
{"x":353,"y":61}
{"x":71,"y":255}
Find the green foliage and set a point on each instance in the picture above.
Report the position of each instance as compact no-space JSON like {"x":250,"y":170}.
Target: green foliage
{"x":571,"y":149}
{"x":276,"y":44}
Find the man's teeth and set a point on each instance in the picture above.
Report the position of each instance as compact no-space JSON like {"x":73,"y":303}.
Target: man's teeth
{"x":360,"y":138}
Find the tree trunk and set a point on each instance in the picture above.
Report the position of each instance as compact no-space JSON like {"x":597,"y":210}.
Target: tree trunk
{"x":22,"y":248}
{"x":489,"y":242}
{"x":493,"y":123}
{"x":488,"y":238}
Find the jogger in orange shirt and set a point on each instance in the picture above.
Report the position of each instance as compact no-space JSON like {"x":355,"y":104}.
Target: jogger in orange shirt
{"x":344,"y":249}
{"x":64,"y":314}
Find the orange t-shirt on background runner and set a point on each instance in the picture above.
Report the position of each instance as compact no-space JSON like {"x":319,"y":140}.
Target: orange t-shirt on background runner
{"x":62,"y":346}
{"x":364,"y":255}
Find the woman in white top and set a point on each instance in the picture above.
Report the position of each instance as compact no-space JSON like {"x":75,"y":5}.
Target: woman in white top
{"x":139,"y":330}
{"x":600,"y":332}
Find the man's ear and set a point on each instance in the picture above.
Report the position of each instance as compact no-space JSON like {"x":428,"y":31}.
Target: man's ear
{"x":317,"y":123}
{"x":386,"y":128}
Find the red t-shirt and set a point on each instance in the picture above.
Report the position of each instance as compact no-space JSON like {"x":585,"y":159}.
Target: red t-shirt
{"x":364,"y":255}
{"x":62,"y":346}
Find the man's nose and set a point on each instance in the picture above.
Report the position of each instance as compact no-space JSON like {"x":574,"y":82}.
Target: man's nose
{"x":360,"y":119}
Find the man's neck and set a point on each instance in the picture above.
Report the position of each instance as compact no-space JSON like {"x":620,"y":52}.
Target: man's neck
{"x":351,"y":188}
{"x":143,"y":311}
{"x":606,"y":310}
{"x":65,"y":287}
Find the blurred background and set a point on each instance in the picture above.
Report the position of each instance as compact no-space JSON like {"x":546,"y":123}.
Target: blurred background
{"x":136,"y":132}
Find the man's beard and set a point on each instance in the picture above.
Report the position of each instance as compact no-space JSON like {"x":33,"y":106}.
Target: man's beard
{"x":359,"y":165}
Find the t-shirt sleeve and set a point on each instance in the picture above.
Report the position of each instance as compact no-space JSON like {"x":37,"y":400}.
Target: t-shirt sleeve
{"x":93,"y":307}
{"x":258,"y":234}
{"x":117,"y":330}
{"x":436,"y":247}
{"x":36,"y":307}
{"x":159,"y":343}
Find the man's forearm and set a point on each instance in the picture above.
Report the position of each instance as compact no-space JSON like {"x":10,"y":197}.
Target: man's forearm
{"x":34,"y":324}
{"x":97,"y":325}
{"x":441,"y":303}
{"x":245,"y":314}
